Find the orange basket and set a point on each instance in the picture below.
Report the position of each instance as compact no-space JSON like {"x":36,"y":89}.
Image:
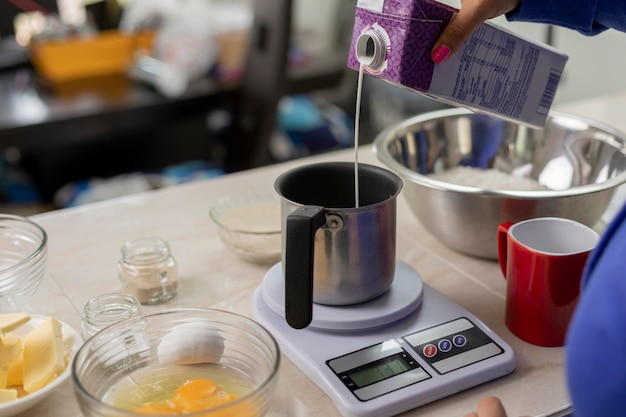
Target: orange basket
{"x":108,"y":52}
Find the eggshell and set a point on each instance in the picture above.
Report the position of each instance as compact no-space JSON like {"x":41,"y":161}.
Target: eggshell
{"x":191,"y":343}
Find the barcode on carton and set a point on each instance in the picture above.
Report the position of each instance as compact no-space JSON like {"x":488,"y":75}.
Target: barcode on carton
{"x":549,"y":92}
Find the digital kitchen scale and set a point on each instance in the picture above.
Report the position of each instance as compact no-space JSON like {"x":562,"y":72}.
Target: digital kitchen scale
{"x":406,"y":348}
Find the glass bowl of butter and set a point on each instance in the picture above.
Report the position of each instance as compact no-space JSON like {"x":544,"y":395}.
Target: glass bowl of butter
{"x":35,"y":358}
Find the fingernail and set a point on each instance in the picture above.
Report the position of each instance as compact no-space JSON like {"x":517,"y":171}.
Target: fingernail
{"x":440,"y":54}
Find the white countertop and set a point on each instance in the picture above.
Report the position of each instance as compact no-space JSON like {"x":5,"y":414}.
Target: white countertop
{"x":85,"y":242}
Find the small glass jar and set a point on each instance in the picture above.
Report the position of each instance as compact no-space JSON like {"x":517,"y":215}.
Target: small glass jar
{"x":106,"y":309}
{"x":148,"y":270}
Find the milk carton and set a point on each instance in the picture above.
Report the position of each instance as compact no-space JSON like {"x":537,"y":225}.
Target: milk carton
{"x":495,"y":72}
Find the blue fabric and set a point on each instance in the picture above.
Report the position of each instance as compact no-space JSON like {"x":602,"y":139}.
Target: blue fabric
{"x":588,"y":17}
{"x":596,"y":341}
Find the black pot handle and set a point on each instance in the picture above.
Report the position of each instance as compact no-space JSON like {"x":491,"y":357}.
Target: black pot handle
{"x":302,"y":224}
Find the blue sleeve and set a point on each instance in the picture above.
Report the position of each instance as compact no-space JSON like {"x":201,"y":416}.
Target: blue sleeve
{"x":596,"y":341}
{"x":588,"y":17}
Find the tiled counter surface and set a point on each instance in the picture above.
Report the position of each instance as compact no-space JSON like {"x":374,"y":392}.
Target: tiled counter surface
{"x":84,"y":247}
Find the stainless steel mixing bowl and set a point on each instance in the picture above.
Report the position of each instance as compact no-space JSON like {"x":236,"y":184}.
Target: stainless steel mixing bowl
{"x":578,"y":162}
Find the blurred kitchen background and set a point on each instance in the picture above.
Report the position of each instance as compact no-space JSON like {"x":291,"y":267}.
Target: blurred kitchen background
{"x":100,"y":99}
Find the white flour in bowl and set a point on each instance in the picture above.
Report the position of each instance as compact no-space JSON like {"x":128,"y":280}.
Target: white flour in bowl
{"x":488,"y":179}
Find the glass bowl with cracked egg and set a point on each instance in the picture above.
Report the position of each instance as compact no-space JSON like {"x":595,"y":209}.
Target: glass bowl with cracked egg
{"x":192,"y":361}
{"x":249,"y":225}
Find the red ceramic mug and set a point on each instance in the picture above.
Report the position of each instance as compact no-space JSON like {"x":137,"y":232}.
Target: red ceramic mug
{"x":542,"y":260}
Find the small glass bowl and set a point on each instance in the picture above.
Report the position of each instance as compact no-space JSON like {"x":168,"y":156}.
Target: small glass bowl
{"x":128,"y":363}
{"x":23,"y":259}
{"x":249,"y":225}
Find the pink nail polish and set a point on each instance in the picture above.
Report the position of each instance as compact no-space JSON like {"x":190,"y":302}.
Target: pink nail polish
{"x":440,"y":54}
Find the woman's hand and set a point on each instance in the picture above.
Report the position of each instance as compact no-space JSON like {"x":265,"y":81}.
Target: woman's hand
{"x":463,"y":23}
{"x":488,"y":407}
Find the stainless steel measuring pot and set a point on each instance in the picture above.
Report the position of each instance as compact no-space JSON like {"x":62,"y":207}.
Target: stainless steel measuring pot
{"x":332,"y":251}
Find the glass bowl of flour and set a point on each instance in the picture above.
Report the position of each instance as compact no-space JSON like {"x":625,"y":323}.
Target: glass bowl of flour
{"x":249,"y":225}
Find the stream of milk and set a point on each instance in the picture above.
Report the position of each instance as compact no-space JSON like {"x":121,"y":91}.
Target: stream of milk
{"x":357,"y":122}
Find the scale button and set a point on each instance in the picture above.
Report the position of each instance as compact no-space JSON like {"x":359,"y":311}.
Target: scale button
{"x":459,"y":340}
{"x":429,"y":350}
{"x":444,"y":345}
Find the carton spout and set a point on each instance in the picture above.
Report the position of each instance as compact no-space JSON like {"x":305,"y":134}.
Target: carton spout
{"x":371,"y":49}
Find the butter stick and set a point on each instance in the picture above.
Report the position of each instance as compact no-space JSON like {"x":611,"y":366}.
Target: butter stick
{"x":16,"y":372}
{"x":11,"y":321}
{"x":7,"y":395}
{"x":10,"y":351}
{"x":43,"y":355}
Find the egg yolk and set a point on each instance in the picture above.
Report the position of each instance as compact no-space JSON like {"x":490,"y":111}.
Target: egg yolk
{"x":193,"y":395}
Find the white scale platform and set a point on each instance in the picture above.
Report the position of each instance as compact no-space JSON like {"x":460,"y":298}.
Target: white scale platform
{"x":406,"y":348}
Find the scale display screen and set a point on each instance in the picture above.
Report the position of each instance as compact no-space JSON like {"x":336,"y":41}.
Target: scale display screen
{"x":378,"y":371}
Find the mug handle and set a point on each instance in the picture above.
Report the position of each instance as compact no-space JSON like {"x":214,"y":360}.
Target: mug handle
{"x":503,"y":230}
{"x":302,"y":224}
